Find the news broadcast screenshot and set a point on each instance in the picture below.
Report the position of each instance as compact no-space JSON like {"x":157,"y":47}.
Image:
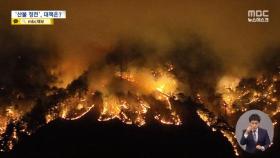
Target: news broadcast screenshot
{"x":139,"y":79}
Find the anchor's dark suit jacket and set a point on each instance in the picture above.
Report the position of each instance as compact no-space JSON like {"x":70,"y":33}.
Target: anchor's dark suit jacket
{"x":263,"y":140}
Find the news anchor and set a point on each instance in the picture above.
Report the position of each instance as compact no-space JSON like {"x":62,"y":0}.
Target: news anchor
{"x":254,"y":137}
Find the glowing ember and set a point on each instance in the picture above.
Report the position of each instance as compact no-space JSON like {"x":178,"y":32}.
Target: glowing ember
{"x":239,"y":96}
{"x":213,"y":122}
{"x":133,"y":94}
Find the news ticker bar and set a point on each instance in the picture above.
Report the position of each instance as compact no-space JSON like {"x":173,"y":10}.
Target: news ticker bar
{"x":36,"y":17}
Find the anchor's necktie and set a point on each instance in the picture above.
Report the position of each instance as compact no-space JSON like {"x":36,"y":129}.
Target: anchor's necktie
{"x":255,"y":136}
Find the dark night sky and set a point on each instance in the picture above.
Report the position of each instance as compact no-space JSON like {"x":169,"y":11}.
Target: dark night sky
{"x":94,"y":24}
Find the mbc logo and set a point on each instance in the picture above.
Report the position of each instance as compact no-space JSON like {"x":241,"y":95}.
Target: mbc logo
{"x":258,"y":16}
